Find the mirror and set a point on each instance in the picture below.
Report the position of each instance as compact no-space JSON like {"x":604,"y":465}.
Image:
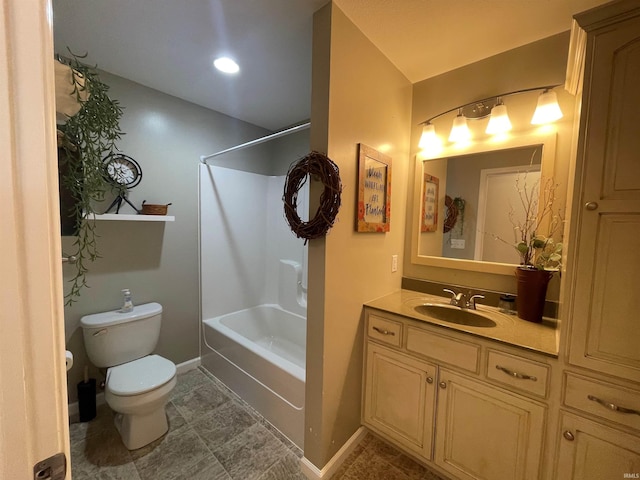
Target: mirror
{"x":462,"y":201}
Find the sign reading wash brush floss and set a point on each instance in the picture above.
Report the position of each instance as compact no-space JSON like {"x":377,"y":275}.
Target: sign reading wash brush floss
{"x":374,"y":190}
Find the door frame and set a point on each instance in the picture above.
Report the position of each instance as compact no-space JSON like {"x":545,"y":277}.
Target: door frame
{"x":33,"y":393}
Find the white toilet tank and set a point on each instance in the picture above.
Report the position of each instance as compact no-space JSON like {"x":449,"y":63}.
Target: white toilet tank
{"x":113,"y":338}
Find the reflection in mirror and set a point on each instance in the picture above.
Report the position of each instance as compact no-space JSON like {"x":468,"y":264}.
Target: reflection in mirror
{"x":464,"y":202}
{"x":480,"y":193}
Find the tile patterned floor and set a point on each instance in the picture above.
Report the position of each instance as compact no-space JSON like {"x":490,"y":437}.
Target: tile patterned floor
{"x":214,"y":435}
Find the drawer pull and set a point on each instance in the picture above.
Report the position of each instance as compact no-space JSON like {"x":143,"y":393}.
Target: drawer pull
{"x":429,"y":380}
{"x":568,"y":435}
{"x":613,"y":406}
{"x":521,"y":376}
{"x":383,"y":331}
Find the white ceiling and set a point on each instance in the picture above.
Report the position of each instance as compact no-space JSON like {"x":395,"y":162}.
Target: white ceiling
{"x":169,"y":45}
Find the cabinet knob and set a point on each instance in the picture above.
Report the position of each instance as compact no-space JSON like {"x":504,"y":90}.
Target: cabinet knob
{"x":568,"y":435}
{"x":591,"y":205}
{"x":429,"y":379}
{"x":443,"y":384}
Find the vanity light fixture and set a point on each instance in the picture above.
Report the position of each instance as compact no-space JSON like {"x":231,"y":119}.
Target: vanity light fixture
{"x":499,"y":120}
{"x":226,"y":65}
{"x":547,"y":111}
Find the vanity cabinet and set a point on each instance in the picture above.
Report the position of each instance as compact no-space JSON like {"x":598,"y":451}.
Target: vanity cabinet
{"x":464,"y":404}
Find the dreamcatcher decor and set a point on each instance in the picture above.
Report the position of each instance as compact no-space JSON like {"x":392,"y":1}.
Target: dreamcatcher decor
{"x":322,"y":168}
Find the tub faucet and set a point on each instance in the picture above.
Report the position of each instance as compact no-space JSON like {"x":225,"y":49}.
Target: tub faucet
{"x":461,"y":300}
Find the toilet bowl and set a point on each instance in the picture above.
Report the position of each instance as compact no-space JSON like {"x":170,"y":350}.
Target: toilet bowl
{"x":138,"y":392}
{"x":138,"y":385}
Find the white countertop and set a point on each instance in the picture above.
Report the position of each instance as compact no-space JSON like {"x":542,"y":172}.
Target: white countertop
{"x":509,"y":329}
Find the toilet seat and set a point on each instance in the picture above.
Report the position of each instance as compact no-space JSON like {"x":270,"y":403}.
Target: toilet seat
{"x":140,"y":376}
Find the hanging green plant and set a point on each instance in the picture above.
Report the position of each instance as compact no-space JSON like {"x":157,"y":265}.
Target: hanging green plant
{"x":85,"y":139}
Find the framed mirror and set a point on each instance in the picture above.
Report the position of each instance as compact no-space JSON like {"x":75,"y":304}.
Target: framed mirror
{"x":464,"y":223}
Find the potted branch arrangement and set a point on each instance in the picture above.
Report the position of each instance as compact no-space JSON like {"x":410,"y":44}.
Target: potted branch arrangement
{"x":86,"y":135}
{"x":540,"y":254}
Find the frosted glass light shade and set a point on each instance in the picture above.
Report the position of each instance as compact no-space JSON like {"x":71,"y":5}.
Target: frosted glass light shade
{"x":499,"y":121}
{"x":459,"y":131}
{"x":548,"y":109}
{"x":428,"y":136}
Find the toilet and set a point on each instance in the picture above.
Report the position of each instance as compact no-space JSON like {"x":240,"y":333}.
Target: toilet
{"x":138,"y":384}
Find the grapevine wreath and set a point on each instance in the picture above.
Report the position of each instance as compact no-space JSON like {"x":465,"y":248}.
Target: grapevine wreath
{"x":322,"y":168}
{"x":451,"y":216}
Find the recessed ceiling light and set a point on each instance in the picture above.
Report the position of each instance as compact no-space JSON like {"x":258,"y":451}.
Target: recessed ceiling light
{"x":226,"y":65}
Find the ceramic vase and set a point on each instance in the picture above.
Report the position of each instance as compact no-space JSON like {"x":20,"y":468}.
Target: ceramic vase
{"x":532,"y":291}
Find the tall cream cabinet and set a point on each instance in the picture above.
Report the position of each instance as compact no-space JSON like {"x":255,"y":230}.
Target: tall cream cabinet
{"x":600,"y":418}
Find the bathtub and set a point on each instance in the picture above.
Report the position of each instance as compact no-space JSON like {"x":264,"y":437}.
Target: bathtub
{"x":259,"y":353}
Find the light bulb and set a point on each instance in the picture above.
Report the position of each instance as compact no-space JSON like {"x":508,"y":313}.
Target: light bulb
{"x":499,"y":121}
{"x":548,"y":109}
{"x":226,"y":65}
{"x":460,"y":131}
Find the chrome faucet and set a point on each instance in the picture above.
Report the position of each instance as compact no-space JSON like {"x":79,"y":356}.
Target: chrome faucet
{"x":461,"y":300}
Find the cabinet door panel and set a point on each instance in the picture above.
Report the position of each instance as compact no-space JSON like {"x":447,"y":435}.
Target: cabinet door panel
{"x":590,"y":451}
{"x":605,"y":334}
{"x":399,"y":398}
{"x":486,"y":433}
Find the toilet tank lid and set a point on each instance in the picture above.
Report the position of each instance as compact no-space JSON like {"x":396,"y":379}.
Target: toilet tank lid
{"x":114,"y":317}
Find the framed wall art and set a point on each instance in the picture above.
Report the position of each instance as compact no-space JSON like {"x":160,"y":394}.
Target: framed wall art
{"x":374,"y":190}
{"x":429,"y":216}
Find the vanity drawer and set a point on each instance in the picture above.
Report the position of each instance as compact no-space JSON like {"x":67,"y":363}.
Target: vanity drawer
{"x":518,"y":373}
{"x":617,"y":404}
{"x":443,"y":349}
{"x":385,"y":330}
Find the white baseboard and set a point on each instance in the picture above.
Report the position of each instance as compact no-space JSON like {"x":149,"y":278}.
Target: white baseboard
{"x":74,"y":409}
{"x":314,"y":473}
{"x":188,"y":365}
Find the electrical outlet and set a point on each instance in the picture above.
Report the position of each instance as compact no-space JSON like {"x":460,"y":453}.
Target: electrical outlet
{"x":457,"y":243}
{"x":394,"y":263}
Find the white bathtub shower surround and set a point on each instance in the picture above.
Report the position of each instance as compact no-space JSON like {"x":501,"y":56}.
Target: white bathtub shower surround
{"x":243,"y":236}
{"x":253,"y":294}
{"x":259,"y":353}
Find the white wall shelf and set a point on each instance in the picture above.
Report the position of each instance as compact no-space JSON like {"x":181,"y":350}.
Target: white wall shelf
{"x":133,"y":217}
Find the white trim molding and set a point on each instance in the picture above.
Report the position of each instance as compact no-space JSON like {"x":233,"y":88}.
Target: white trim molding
{"x":313,"y":473}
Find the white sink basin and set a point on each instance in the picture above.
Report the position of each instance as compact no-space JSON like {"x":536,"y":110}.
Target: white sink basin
{"x":453,"y":314}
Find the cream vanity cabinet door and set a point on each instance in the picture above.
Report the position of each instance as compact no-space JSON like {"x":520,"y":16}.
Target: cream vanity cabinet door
{"x":591,"y":451}
{"x":399,"y":398}
{"x":605,"y":333}
{"x":484,"y":432}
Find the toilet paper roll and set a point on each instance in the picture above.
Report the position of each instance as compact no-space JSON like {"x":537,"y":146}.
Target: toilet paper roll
{"x":69,"y":360}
